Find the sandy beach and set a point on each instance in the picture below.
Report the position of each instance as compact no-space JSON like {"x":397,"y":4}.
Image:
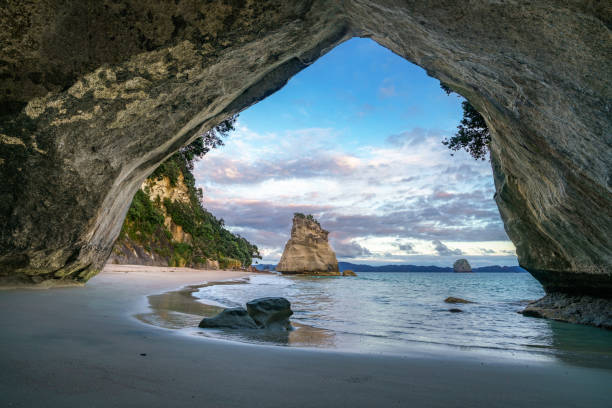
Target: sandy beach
{"x":83,"y":347}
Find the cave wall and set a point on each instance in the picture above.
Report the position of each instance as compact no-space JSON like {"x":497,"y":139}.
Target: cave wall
{"x":94,"y":95}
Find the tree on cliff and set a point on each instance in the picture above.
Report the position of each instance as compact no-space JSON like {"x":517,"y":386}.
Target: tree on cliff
{"x":472,"y":133}
{"x":185,"y":157}
{"x":207,"y":140}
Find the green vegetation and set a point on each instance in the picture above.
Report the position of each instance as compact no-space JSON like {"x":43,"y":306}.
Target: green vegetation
{"x":209,"y":239}
{"x":309,"y":217}
{"x":472,"y":134}
{"x":143,"y":220}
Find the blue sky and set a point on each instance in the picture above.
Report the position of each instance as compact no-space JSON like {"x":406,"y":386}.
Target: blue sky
{"x":355,"y":139}
{"x":361,"y":90}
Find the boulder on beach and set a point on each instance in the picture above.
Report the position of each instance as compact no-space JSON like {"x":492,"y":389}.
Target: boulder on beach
{"x":271,"y":313}
{"x":233,"y":318}
{"x":462,"y":265}
{"x":348,"y":272}
{"x":263,"y":313}
{"x":451,"y":299}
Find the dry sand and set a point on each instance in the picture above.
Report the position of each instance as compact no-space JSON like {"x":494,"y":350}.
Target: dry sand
{"x":82,"y":347}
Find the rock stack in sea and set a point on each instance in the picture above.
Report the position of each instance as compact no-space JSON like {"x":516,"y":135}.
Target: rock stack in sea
{"x":462,"y":265}
{"x":308,"y":251}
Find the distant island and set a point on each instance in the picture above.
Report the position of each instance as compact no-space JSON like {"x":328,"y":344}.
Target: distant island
{"x":462,"y":266}
{"x":410,"y":268}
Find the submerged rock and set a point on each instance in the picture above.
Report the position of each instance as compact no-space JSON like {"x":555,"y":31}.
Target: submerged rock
{"x":572,"y":309}
{"x":348,"y":272}
{"x":233,"y":318}
{"x":462,"y":265}
{"x":308,"y":251}
{"x":454,"y":310}
{"x":271,"y":313}
{"x":451,"y":299}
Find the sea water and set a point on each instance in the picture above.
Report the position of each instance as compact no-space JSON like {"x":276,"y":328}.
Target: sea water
{"x":403,"y":312}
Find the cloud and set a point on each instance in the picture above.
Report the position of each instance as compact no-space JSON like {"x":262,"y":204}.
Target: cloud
{"x":443,"y":250}
{"x":349,"y":249}
{"x":427,"y":220}
{"x":365,"y":110}
{"x":407,"y":188}
{"x":272,"y":218}
{"x":406,"y":248}
{"x":386,"y":91}
{"x":228,"y":170}
{"x":413,"y":137}
{"x":412,"y":111}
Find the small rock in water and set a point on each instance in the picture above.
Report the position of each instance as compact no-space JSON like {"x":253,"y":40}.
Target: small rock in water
{"x":271,"y":313}
{"x":456,"y":300}
{"x":348,"y":272}
{"x":462,"y":265}
{"x":455,"y":310}
{"x":233,"y":318}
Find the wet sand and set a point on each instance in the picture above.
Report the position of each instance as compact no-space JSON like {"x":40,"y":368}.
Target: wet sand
{"x":180,"y":310}
{"x":83,"y":347}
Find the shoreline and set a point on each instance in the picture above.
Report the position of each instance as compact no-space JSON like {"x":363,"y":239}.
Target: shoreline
{"x":164,"y":307}
{"x":86,"y":349}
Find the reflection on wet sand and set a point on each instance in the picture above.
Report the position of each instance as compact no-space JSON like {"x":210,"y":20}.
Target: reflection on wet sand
{"x":301,"y":336}
{"x":574,"y":347}
{"x":181,"y":310}
{"x":177,"y":309}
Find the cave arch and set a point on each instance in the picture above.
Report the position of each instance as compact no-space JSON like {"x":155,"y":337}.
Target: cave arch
{"x":95,"y":96}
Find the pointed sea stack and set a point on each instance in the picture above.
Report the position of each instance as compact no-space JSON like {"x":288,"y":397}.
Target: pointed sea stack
{"x":308,"y":252}
{"x":462,"y":265}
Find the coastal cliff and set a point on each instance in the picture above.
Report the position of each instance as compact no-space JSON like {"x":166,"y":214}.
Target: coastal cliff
{"x":308,"y":251}
{"x":166,"y":225}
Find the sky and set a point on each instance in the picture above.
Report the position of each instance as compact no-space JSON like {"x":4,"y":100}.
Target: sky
{"x":355,"y":140}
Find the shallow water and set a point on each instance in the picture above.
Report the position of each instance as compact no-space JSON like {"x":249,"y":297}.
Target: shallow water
{"x":401,"y":312}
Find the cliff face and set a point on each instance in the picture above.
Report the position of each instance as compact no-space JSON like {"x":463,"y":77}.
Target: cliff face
{"x":166,"y":226}
{"x":157,"y":247}
{"x":307,"y":251}
{"x":95,"y":95}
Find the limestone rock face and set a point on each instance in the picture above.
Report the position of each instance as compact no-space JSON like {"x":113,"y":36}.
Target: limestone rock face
{"x":162,"y":188}
{"x":95,"y":95}
{"x":462,"y":265}
{"x":307,"y":251}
